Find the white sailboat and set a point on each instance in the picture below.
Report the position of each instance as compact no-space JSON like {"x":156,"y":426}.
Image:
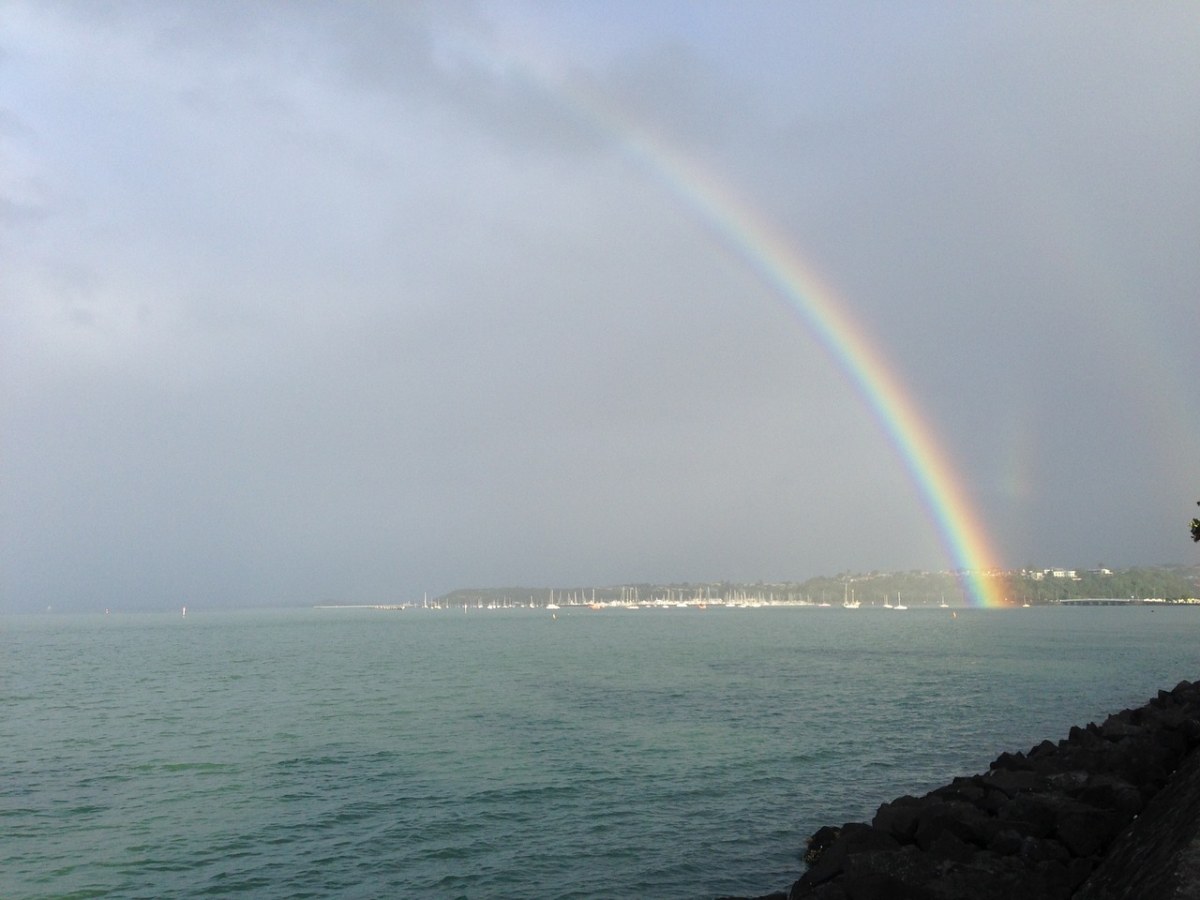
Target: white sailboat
{"x":849,"y":602}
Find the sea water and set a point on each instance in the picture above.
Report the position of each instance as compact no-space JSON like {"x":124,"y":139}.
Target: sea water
{"x":517,"y":754}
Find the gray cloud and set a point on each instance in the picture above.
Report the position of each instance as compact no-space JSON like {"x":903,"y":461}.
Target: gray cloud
{"x":338,"y":301}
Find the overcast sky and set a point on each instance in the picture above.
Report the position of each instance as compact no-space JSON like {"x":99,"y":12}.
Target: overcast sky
{"x":357,"y":301}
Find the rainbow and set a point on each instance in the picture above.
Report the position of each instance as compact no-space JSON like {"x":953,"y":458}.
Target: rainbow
{"x":761,"y":246}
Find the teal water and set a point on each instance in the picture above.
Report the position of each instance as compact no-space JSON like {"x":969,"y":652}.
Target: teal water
{"x":508,"y":754}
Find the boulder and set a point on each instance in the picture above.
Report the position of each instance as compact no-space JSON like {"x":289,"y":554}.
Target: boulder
{"x":1085,"y":817}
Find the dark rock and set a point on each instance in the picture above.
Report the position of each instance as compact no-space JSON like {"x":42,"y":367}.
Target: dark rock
{"x":1042,"y":850}
{"x":1030,"y":814}
{"x":859,"y":838}
{"x":906,"y":868}
{"x":899,"y":818}
{"x":1078,"y":871}
{"x":1186,"y":692}
{"x":852,"y":838}
{"x":999,"y":878}
{"x":1085,"y":830}
{"x":970,"y":790}
{"x":1114,"y":729}
{"x":1011,"y":762}
{"x":1069,"y":783}
{"x":1011,"y":783}
{"x":947,"y":845}
{"x":877,"y":886}
{"x":1111,"y":793}
{"x":1158,"y":855}
{"x":962,"y":820}
{"x":1006,"y":842}
{"x":819,"y":842}
{"x":1080,"y":736}
{"x":1189,"y":730}
{"x":830,"y":891}
{"x":1112,"y":811}
{"x":1045,"y":748}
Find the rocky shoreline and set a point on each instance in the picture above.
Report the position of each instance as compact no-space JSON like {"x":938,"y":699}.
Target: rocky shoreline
{"x":1112,"y":811}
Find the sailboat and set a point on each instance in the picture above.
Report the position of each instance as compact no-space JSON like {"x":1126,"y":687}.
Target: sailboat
{"x":899,"y":605}
{"x":848,"y":600}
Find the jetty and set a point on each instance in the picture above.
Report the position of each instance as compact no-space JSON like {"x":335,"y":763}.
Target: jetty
{"x":1111,"y":812}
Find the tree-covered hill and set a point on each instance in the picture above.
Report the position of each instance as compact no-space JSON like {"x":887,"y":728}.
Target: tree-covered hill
{"x":914,"y":588}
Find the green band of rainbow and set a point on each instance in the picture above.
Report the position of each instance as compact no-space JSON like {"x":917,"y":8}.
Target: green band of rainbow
{"x":749,"y":235}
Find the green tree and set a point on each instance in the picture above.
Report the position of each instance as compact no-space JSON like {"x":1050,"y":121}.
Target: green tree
{"x":1196,"y":526}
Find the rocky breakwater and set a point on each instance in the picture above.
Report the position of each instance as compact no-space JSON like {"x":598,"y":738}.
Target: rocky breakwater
{"x":1111,"y":811}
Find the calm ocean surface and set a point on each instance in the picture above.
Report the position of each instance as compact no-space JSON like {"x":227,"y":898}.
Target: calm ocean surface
{"x":508,"y":754}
